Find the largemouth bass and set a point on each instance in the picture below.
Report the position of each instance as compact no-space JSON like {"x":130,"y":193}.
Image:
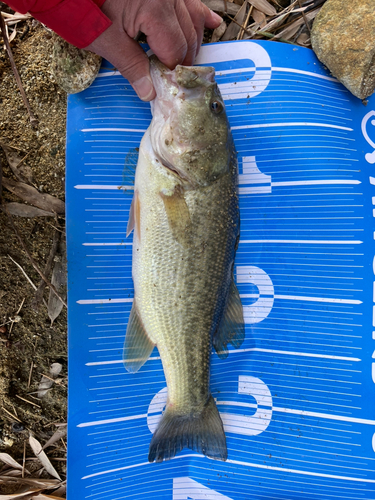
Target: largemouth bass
{"x":185,"y":218}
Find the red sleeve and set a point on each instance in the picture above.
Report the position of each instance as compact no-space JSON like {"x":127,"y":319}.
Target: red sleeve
{"x":79,"y":22}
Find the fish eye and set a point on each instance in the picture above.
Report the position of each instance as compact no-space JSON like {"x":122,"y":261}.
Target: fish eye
{"x":217,"y":107}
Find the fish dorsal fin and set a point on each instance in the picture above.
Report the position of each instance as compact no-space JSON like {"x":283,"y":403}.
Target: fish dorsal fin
{"x":232,"y":328}
{"x":137,"y":346}
{"x":178,"y":215}
{"x":134,"y":220}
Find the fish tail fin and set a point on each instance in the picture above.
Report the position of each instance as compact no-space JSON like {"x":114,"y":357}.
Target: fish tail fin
{"x":201,"y":432}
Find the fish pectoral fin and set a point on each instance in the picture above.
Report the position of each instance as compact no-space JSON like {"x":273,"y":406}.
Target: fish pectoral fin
{"x":131,"y":160}
{"x":134,"y":215}
{"x":232,"y":327}
{"x":137,"y":346}
{"x":178,"y":215}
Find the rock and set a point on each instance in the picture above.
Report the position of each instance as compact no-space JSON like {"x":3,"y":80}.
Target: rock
{"x":74,"y":69}
{"x":343,"y":38}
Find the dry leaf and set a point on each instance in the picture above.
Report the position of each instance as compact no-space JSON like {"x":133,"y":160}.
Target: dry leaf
{"x":7,"y":459}
{"x":20,"y":170}
{"x":233,"y":29}
{"x":11,"y":473}
{"x":61,"y":491}
{"x":34,"y":483}
{"x":259,"y":17}
{"x":47,"y":382}
{"x":264,"y":7}
{"x":32,"y":196}
{"x":304,"y":39}
{"x":280,"y":18}
{"x":13,"y":35}
{"x":219,"y":6}
{"x":39,"y":453}
{"x":59,"y":281}
{"x":291,"y":30}
{"x":30,"y":495}
{"x":219,"y":32}
{"x":21,"y":210}
{"x":60,"y":433}
{"x":46,"y":497}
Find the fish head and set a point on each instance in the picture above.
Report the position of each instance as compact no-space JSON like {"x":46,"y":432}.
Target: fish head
{"x":189,"y":130}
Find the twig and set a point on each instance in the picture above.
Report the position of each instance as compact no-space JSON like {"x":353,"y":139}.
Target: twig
{"x":27,"y":401}
{"x":23,"y":272}
{"x":30,"y":373}
{"x":1,"y":182}
{"x":34,"y":122}
{"x":11,"y":414}
{"x":47,"y":271}
{"x":24,"y":158}
{"x":19,"y":309}
{"x":238,"y":24}
{"x":31,"y":259}
{"x":271,"y":35}
{"x":304,"y":17}
{"x":242,"y":32}
{"x":24,"y":459}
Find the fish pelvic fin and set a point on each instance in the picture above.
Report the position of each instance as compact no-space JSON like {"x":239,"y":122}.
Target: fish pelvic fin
{"x":202,"y":432}
{"x":231,"y":329}
{"x":137,"y":346}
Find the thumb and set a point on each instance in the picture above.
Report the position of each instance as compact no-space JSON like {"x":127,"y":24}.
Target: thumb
{"x":128,"y":58}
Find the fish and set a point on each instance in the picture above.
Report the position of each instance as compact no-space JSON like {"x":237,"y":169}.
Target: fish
{"x":186,"y":223}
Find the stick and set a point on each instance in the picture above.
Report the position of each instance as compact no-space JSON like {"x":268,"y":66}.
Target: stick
{"x":27,"y":401}
{"x":33,"y":263}
{"x":11,"y":414}
{"x":47,"y":271}
{"x":241,"y":33}
{"x":34,"y":122}
{"x":1,"y":182}
{"x":304,"y":17}
{"x":31,"y":371}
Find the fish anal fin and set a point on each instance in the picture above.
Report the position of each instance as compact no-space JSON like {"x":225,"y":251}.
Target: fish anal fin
{"x":200,"y":431}
{"x":134,"y":221}
{"x":137,"y":346}
{"x":178,"y":215}
{"x":232,"y":328}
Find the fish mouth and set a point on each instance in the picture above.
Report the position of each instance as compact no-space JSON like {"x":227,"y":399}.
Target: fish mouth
{"x":182,"y":77}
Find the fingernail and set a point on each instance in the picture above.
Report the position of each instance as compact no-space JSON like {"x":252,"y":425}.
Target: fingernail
{"x":216,"y":17}
{"x":144,"y":88}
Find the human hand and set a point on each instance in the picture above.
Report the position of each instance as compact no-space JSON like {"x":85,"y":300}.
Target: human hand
{"x":174,"y":30}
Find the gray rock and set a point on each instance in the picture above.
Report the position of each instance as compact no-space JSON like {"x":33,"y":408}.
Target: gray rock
{"x":74,"y":69}
{"x":343,"y":38}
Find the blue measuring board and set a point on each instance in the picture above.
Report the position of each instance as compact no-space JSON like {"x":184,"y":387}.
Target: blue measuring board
{"x":297,"y":399}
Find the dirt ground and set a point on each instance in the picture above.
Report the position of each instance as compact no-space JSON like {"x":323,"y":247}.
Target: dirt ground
{"x":28,"y":349}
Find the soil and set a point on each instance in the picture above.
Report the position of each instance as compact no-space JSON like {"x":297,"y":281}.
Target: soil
{"x":30,"y":345}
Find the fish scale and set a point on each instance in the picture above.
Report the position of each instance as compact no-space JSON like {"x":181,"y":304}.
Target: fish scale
{"x":186,"y":223}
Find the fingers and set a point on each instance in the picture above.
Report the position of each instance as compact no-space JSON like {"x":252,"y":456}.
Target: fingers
{"x":174,"y":29}
{"x":201,"y":16}
{"x":166,"y":35}
{"x":128,"y":58}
